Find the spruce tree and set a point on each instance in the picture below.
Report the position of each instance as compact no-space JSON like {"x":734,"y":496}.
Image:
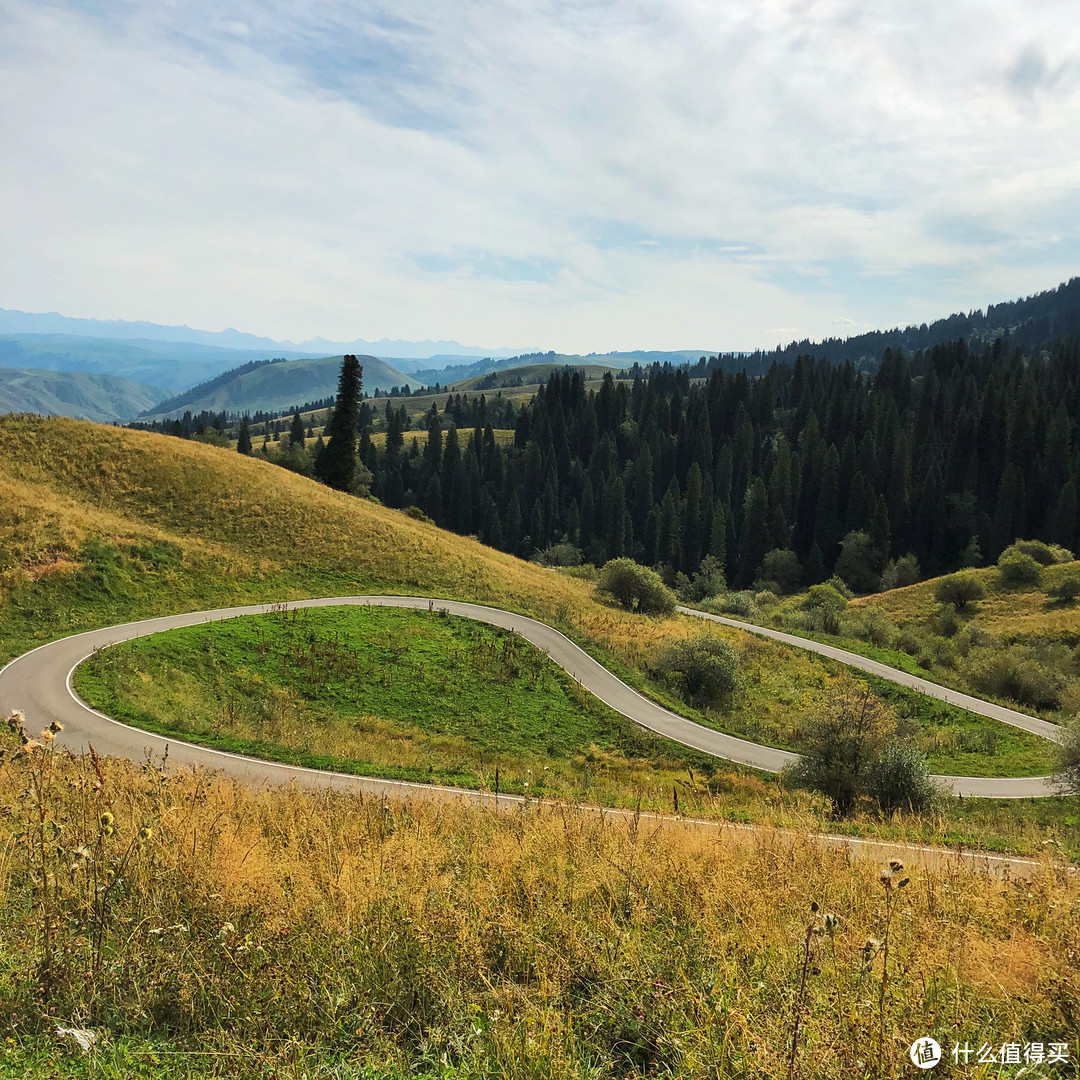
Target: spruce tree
{"x":692,"y":528}
{"x":336,"y":464}
{"x":754,"y":541}
{"x":243,"y":442}
{"x":296,"y":431}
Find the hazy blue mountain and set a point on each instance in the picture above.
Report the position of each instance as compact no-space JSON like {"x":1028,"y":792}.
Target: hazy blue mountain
{"x":22,"y":322}
{"x":172,"y":365}
{"x":83,"y":395}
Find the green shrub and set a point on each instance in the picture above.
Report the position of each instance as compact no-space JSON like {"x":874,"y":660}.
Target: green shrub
{"x":959,"y":590}
{"x":417,"y":514}
{"x":707,"y":582}
{"x":842,"y":739}
{"x":947,"y":619}
{"x":909,"y":642}
{"x":705,"y":668}
{"x":1017,"y":568}
{"x":739,"y":603}
{"x":560,"y":555}
{"x":938,"y":652}
{"x":841,"y":586}
{"x":1042,"y":553}
{"x":1012,"y":675}
{"x":822,"y":620}
{"x":901,"y":573}
{"x":1066,"y":591}
{"x":900,"y":779}
{"x":782,"y":566}
{"x":825,"y":596}
{"x":636,"y":587}
{"x":877,"y":628}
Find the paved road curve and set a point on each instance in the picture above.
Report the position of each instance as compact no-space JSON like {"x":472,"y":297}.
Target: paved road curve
{"x":39,"y":683}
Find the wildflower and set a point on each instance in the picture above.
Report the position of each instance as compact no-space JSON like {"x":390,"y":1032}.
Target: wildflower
{"x":226,"y":930}
{"x":106,"y":820}
{"x":48,"y":735}
{"x":55,"y":727}
{"x":145,"y":833}
{"x":30,"y":744}
{"x":895,"y":865}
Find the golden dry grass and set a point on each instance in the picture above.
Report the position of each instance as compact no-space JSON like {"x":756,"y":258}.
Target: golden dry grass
{"x":1012,"y":613}
{"x":516,"y":944}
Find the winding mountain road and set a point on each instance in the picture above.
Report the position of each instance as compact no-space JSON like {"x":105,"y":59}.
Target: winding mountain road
{"x":39,"y":683}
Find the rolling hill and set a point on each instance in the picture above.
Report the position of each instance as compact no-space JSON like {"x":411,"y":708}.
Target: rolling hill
{"x":81,"y":395}
{"x":273,"y":387}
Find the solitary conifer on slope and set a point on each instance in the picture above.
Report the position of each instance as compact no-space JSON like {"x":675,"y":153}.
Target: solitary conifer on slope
{"x":296,"y":431}
{"x":336,"y":464}
{"x":243,"y":444}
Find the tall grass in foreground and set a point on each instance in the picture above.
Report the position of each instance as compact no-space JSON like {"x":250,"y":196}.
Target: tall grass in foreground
{"x":246,"y":930}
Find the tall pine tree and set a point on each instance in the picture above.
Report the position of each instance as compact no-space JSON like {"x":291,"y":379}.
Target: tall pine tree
{"x":336,"y":464}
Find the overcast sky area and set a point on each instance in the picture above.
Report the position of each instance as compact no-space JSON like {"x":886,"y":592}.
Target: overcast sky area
{"x":579,"y":176}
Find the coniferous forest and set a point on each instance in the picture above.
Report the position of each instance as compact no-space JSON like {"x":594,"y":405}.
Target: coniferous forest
{"x":948,"y":456}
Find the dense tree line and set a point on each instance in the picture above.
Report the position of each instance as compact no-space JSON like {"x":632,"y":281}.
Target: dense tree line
{"x":186,"y":426}
{"x":948,"y":455}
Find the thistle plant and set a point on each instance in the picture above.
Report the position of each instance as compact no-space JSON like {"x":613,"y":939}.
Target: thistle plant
{"x":72,"y":862}
{"x":817,"y":926}
{"x":892,"y":883}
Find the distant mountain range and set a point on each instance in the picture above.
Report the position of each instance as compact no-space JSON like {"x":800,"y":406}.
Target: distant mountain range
{"x":179,"y":368}
{"x":22,"y":322}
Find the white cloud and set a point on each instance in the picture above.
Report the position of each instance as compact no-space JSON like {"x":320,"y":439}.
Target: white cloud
{"x":686,"y":174}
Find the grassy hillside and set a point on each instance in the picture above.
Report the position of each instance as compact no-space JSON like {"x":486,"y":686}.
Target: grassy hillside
{"x":280,"y":386}
{"x":1016,"y":614}
{"x":1017,"y":644}
{"x":100,"y":523}
{"x":103,"y":398}
{"x":275,"y":933}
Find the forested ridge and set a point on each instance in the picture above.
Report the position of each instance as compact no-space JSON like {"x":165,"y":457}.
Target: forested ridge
{"x":949,"y":455}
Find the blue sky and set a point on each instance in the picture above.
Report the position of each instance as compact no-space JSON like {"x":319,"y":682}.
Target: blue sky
{"x":579,"y":176}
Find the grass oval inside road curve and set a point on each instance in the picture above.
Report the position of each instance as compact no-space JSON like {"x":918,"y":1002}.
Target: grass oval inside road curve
{"x":408,"y":695}
{"x":388,"y":693}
